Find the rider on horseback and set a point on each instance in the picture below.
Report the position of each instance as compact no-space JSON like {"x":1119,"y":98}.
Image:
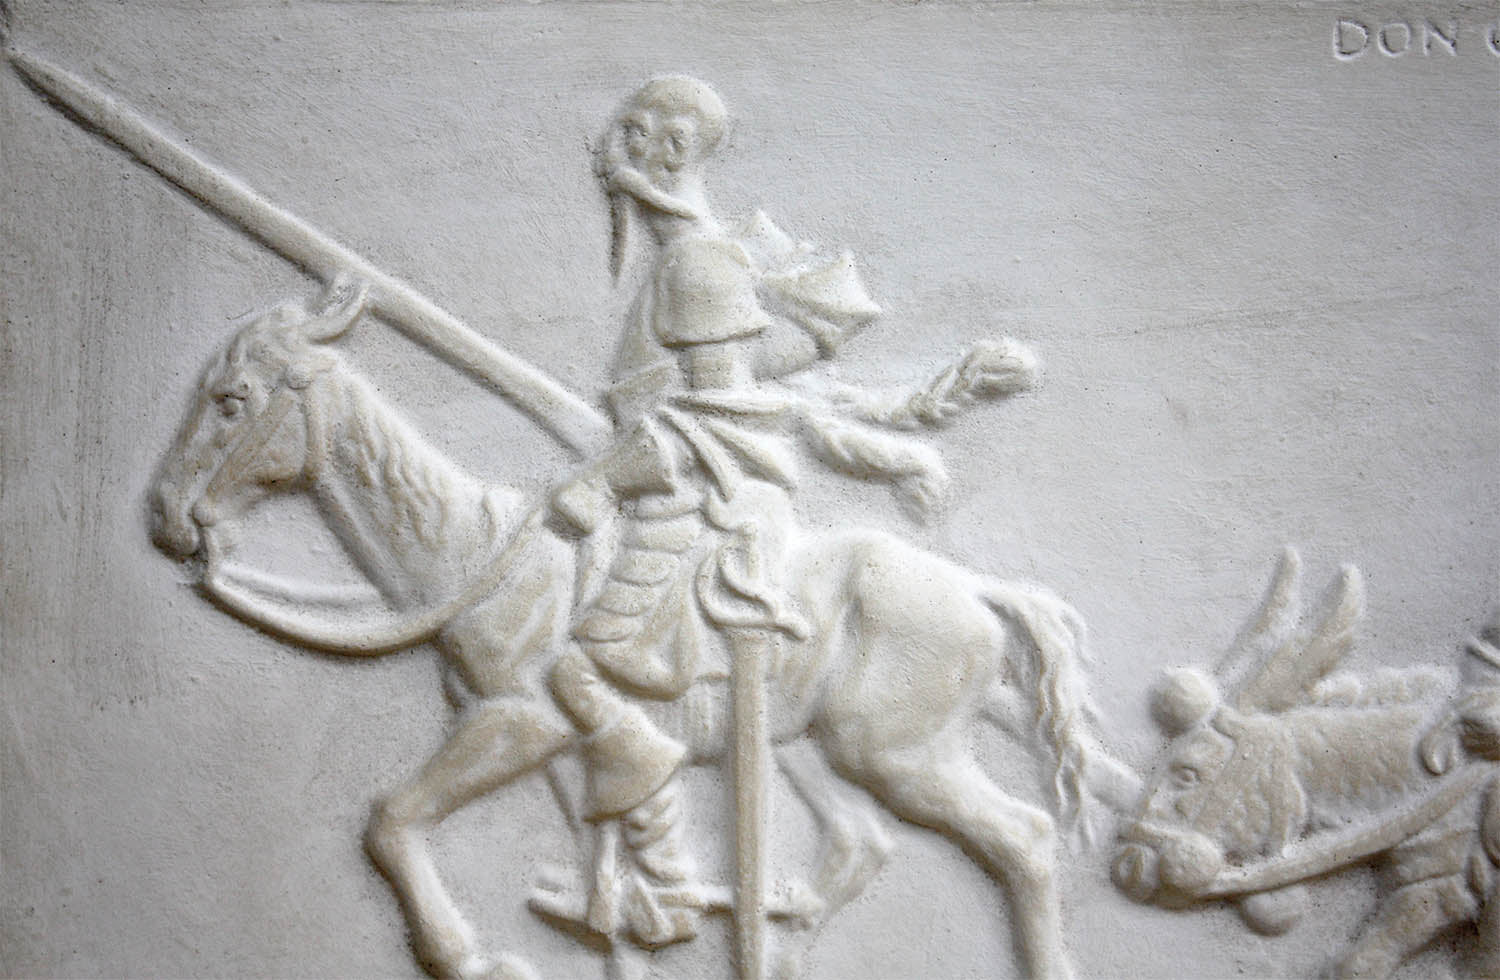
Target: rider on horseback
{"x":699,"y":477}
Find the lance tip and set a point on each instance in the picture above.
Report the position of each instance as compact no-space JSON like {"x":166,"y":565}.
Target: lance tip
{"x":7,"y":19}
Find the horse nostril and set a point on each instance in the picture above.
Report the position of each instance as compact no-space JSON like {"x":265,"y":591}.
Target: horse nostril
{"x":1135,"y":872}
{"x":177,"y":537}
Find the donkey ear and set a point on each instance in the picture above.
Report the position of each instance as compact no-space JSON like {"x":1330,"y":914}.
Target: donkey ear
{"x":1301,"y":662}
{"x":1181,"y":699}
{"x":342,"y":304}
{"x":1269,"y":627}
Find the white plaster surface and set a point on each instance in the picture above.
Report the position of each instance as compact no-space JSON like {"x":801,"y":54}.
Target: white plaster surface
{"x":1262,"y":282}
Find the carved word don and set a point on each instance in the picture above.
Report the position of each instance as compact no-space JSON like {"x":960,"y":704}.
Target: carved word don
{"x":1352,"y":38}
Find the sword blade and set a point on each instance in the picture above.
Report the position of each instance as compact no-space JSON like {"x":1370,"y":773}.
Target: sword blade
{"x":750,"y":651}
{"x":562,"y":413}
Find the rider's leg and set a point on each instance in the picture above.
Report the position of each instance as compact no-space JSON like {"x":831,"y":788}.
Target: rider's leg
{"x":1406,"y":920}
{"x":628,"y":758}
{"x":631,"y":767}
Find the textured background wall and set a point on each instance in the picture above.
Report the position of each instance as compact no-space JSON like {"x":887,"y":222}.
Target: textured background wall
{"x":1261,"y":279}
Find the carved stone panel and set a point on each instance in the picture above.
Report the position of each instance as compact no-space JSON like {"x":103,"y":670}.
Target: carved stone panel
{"x":738,"y":490}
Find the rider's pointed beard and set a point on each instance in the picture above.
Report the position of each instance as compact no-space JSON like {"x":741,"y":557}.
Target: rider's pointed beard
{"x":621,"y":217}
{"x":630,"y":194}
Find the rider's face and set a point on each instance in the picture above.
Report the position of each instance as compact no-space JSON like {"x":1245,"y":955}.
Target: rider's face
{"x":655,"y":144}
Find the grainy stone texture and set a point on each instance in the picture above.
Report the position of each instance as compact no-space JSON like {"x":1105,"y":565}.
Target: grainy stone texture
{"x":1256,"y":258}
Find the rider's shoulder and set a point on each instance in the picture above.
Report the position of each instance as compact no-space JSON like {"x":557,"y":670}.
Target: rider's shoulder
{"x":706,"y":292}
{"x":706,"y":259}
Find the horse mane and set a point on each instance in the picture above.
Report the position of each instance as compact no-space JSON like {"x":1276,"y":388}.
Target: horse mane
{"x":421,"y":489}
{"x":1387,"y":686}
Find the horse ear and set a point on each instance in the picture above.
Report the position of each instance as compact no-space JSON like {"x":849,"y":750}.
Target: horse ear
{"x":1301,"y":662}
{"x":1269,"y":627}
{"x":342,"y":304}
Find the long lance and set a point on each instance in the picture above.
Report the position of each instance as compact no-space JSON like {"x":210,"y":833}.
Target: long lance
{"x":562,"y":413}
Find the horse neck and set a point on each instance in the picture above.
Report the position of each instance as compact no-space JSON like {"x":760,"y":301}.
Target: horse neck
{"x":414,"y":524}
{"x":1352,"y":758}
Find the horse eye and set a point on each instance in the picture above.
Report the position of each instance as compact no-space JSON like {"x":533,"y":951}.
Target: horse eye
{"x":1185,"y":775}
{"x":230,"y":405}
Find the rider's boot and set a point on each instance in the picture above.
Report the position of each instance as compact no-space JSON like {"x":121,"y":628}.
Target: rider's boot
{"x":631,"y":768}
{"x":662,"y":899}
{"x":632,"y":778}
{"x":646,"y":882}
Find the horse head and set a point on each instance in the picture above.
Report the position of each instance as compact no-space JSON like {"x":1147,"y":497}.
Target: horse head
{"x":247,"y":434}
{"x":1230,"y":792}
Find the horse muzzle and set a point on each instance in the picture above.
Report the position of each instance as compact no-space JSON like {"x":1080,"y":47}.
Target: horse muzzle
{"x":173,"y":528}
{"x":1136,"y":872}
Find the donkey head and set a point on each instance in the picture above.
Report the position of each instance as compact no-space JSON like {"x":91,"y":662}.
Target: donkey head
{"x":247,"y":432}
{"x":1229,"y":792}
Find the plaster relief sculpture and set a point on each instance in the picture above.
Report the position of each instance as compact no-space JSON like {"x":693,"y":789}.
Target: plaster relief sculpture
{"x":668,"y":565}
{"x":1282,"y":770}
{"x":464,"y":511}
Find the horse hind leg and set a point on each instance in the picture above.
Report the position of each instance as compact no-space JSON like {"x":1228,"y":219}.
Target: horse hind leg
{"x":496,"y":742}
{"x":1014,"y":841}
{"x":854,"y":846}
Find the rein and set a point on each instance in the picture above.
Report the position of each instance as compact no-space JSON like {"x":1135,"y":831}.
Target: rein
{"x":1306,"y":861}
{"x":355,"y":636}
{"x":254,"y":597}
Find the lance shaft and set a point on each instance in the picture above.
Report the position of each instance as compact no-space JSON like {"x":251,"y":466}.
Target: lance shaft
{"x":564,"y":414}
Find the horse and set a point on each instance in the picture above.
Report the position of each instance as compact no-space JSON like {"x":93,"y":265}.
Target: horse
{"x":905,"y":649}
{"x":1280,"y":771}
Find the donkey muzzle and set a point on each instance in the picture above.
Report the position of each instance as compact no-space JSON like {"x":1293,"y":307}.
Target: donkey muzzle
{"x":1136,"y":871}
{"x":1165,"y":865}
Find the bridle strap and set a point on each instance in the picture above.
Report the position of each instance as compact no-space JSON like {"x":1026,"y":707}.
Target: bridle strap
{"x":252,"y":443}
{"x":1306,"y":861}
{"x":1261,"y":753}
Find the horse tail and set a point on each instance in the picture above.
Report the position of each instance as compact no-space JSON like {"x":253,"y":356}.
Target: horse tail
{"x":1063,"y":716}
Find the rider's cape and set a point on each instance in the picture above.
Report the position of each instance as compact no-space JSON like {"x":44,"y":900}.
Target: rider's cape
{"x":822,"y":296}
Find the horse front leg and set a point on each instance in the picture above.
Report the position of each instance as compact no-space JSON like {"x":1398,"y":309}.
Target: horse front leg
{"x":496,"y":742}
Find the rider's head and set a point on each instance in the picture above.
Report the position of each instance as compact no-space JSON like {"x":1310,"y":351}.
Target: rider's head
{"x":653,"y":153}
{"x":664,"y":132}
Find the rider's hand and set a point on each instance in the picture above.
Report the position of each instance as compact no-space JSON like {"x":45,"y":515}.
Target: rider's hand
{"x":583,"y":503}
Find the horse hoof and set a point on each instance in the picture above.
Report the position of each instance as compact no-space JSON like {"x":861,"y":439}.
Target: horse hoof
{"x":507,"y":967}
{"x":799,"y":905}
{"x":510,"y":967}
